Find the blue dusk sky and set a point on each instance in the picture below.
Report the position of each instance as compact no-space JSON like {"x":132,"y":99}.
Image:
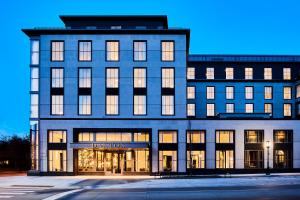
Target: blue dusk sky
{"x":217,"y":27}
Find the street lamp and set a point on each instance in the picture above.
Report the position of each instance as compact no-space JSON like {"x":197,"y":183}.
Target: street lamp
{"x":268,"y":157}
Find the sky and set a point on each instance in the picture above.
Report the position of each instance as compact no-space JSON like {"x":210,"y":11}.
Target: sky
{"x":217,"y":27}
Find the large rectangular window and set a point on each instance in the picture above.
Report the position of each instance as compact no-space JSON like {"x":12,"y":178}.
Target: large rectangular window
{"x":298,"y":91}
{"x":190,"y":73}
{"x":283,"y":149}
{"x":139,"y":50}
{"x":229,"y":92}
{"x":167,"y":51}
{"x":191,"y":109}
{"x":268,"y":107}
{"x":57,"y":50}
{"x":57,"y":136}
{"x":248,"y":92}
{"x":34,"y":76}
{"x":112,"y":104}
{"x":85,"y":105}
{"x":34,"y":106}
{"x":167,"y":161}
{"x":287,"y":92}
{"x":249,"y":108}
{"x":254,"y":136}
{"x":268,"y":92}
{"x":229,"y":73}
{"x":224,"y":159}
{"x":140,"y":103}
{"x":85,"y":77}
{"x":57,"y":77}
{"x":191,"y":92}
{"x":139,"y":78}
{"x":229,"y":108}
{"x":210,"y":92}
{"x":287,"y":110}
{"x":85,"y":50}
{"x":57,"y":104}
{"x":195,"y":137}
{"x":225,"y":137}
{"x":112,"y":50}
{"x":57,"y":160}
{"x":167,"y":77}
{"x":210,"y":73}
{"x":210,"y":110}
{"x":168,"y":105}
{"x":268,"y":73}
{"x":248,"y":73}
{"x":167,"y":137}
{"x":35,"y":52}
{"x":112,"y":77}
{"x":196,"y":159}
{"x":286,"y":73}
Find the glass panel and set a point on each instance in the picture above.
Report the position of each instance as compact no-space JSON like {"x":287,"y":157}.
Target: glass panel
{"x":167,"y":137}
{"x":85,"y":51}
{"x":34,"y":79}
{"x":140,"y":51}
{"x":190,"y":73}
{"x":85,"y":107}
{"x":112,"y":104}
{"x":57,"y":53}
{"x":141,"y":137}
{"x":85,"y":78}
{"x":224,"y":137}
{"x":168,"y":105}
{"x":57,"y":77}
{"x":190,"y":92}
{"x":195,"y":137}
{"x":167,"y":78}
{"x":57,"y":105}
{"x":112,"y":51}
{"x":167,"y":51}
{"x":139,"y":104}
{"x":35,"y":52}
{"x":139,"y":78}
{"x":196,"y":159}
{"x":57,"y":160}
{"x":34,"y":107}
{"x":57,"y":136}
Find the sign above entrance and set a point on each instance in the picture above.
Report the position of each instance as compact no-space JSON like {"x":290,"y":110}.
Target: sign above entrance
{"x":110,"y":145}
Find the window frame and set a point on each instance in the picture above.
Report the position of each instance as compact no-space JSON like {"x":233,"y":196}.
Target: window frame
{"x":207,"y":109}
{"x":271,"y":114}
{"x":187,"y":109}
{"x":247,"y":75}
{"x":146,"y":52}
{"x":78,"y":79}
{"x":174,"y":105}
{"x":290,"y":93}
{"x":51,"y":76}
{"x":119,"y":51}
{"x":161,"y":51}
{"x":227,"y":74}
{"x":63,"y":130}
{"x":233,"y":91}
{"x":63,"y":52}
{"x":78,"y":111}
{"x":187,"y":92}
{"x":252,"y":108}
{"x":63,"y":103}
{"x":246,"y":92}
{"x":78,"y":51}
{"x":265,"y":87}
{"x":207,"y":92}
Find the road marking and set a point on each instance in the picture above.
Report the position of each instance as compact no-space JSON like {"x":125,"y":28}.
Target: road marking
{"x":60,"y":195}
{"x":5,"y":197}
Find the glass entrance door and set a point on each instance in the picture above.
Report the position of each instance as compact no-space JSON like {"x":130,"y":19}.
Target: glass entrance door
{"x":114,"y":162}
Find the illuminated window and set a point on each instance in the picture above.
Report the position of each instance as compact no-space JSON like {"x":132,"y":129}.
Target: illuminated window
{"x":269,"y":108}
{"x":167,"y":105}
{"x":112,"y":77}
{"x":229,"y":108}
{"x":195,"y":137}
{"x":190,"y":74}
{"x":167,"y":161}
{"x":112,"y":104}
{"x":139,"y":102}
{"x":57,"y":160}
{"x":85,"y":106}
{"x":191,"y":109}
{"x":248,"y":92}
{"x":282,"y":136}
{"x":139,"y":50}
{"x":298,"y":91}
{"x":85,"y":51}
{"x":195,"y":159}
{"x":287,"y":92}
{"x":287,"y":73}
{"x":287,"y":110}
{"x":210,"y":92}
{"x":57,"y":104}
{"x":85,"y":137}
{"x":191,"y":92}
{"x":254,"y":136}
{"x":210,"y":73}
{"x":57,"y":50}
{"x":268,"y":92}
{"x":34,"y":76}
{"x":139,"y":78}
{"x":210,"y":109}
{"x":167,"y":51}
{"x":248,"y":73}
{"x":34,"y":106}
{"x":229,"y":92}
{"x":229,"y":73}
{"x":35,"y":52}
{"x":167,"y":77}
{"x":225,"y":137}
{"x":268,"y":73}
{"x":56,"y":136}
{"x":141,"y":137}
{"x":57,"y":77}
{"x":249,"y":108}
{"x":224,"y":159}
{"x":85,"y":77}
{"x":112,"y":50}
{"x":167,"y":136}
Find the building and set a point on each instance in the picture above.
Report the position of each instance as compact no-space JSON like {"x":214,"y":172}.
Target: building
{"x":122,"y":95}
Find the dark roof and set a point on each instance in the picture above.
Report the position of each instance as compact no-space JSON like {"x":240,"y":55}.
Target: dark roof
{"x":242,"y":58}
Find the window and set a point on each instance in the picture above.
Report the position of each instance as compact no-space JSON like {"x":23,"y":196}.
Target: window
{"x":167,"y":51}
{"x":287,"y":110}
{"x":268,"y":73}
{"x":196,"y":159}
{"x":254,"y":159}
{"x":229,"y":73}
{"x":229,"y":108}
{"x":57,"y":77}
{"x":248,"y":73}
{"x":85,"y":137}
{"x":112,"y":104}
{"x":287,"y":73}
{"x":34,"y":106}
{"x":282,"y":136}
{"x":298,"y":91}
{"x":210,"y":73}
{"x":210,"y":109}
{"x":139,"y":78}
{"x":190,"y":74}
{"x":210,"y":92}
{"x":254,"y":136}
{"x":224,"y":159}
{"x":190,"y":92}
{"x":268,"y":92}
{"x":85,"y":51}
{"x":195,"y":137}
{"x":35,"y":52}
{"x":167,"y":137}
{"x":85,"y":77}
{"x":191,"y":109}
{"x":112,"y":77}
{"x":57,"y":50}
{"x":34,"y":76}
{"x":287,"y":92}
{"x":229,"y":92}
{"x":269,"y":108}
{"x":139,"y":104}
{"x":249,"y":92}
{"x":167,"y":77}
{"x":85,"y":107}
{"x":167,"y":105}
{"x":57,"y":104}
{"x":139,"y":50}
{"x":112,"y":51}
{"x":167,"y":161}
{"x":57,"y":136}
{"x":57,"y":160}
{"x":225,"y":137}
{"x":249,"y":107}
{"x":141,"y":137}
